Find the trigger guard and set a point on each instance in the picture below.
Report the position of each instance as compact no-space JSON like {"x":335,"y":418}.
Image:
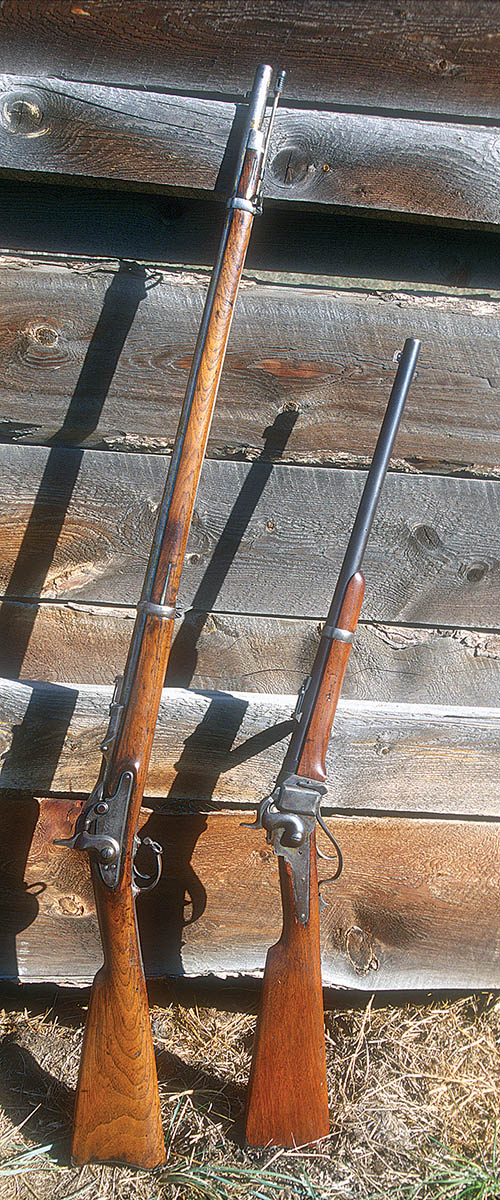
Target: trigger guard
{"x":144,"y":883}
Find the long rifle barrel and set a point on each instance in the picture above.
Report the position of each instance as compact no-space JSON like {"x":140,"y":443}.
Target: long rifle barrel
{"x":257,"y":102}
{"x":117,"y":1113}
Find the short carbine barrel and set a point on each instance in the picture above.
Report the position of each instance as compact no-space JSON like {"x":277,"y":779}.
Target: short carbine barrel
{"x":357,"y":542}
{"x":364,"y":518}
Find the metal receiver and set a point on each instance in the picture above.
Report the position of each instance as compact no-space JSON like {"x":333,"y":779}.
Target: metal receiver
{"x":101,"y":826}
{"x":290,"y":814}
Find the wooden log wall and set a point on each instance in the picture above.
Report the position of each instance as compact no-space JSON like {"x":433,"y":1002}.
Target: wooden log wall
{"x":381,"y":221}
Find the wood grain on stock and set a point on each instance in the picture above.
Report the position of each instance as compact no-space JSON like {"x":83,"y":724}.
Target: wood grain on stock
{"x":287,"y":1099}
{"x":117,"y":1055}
{"x":117,"y":1113}
{"x":117,"y":1063}
{"x":287,"y":1092}
{"x":313,"y":759}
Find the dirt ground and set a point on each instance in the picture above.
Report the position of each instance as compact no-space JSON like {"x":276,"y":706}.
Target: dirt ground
{"x":414,"y":1098}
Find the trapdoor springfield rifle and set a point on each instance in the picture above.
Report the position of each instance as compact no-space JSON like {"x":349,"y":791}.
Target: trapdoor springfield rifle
{"x":287,"y":1102}
{"x":117,"y":1116}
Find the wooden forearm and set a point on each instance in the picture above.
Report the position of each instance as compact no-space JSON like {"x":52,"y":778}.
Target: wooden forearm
{"x":313,"y":759}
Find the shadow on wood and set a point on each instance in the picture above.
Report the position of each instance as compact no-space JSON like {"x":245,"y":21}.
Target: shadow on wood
{"x":34,"y":559}
{"x":184,"y":654}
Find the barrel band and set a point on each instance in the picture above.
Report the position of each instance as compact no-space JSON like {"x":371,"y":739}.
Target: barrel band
{"x":166,"y":611}
{"x":240,"y":203}
{"x":338,"y":635}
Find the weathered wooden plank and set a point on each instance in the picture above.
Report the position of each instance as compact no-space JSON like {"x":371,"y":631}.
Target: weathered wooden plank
{"x":416,"y":905}
{"x":443,"y":170}
{"x":224,"y":748}
{"x":174,"y":229}
{"x":265,"y":539}
{"x":97,"y":355}
{"x":431,"y":57}
{"x":65,"y":642}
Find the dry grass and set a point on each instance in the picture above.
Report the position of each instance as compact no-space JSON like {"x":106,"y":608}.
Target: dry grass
{"x":415,"y":1093}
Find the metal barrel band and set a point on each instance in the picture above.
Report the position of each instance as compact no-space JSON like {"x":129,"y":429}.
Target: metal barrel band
{"x":337,"y":634}
{"x":245,"y":205}
{"x":167,"y":611}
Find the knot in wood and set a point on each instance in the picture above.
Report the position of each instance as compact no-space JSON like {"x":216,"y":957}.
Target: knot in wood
{"x":428,"y":537}
{"x":477,"y":572}
{"x":45,"y":335}
{"x":22,"y":115}
{"x":291,"y":166}
{"x":359,"y":950}
{"x":39,"y":346}
{"x":442,"y":66}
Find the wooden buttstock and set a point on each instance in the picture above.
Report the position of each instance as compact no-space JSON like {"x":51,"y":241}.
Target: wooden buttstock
{"x":313,"y":758}
{"x":287,"y":1099}
{"x":117,"y":1113}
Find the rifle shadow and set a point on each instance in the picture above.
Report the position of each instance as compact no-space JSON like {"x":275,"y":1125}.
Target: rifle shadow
{"x":181,"y":898}
{"x":42,"y":1103}
{"x":184,"y":653}
{"x":33,"y":1098}
{"x":209,"y":751}
{"x":186,"y":899}
{"x":29,"y":574}
{"x":228,"y":1095}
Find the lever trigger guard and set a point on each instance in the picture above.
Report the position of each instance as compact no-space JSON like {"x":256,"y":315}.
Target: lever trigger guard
{"x":330,"y":857}
{"x":145,"y":883}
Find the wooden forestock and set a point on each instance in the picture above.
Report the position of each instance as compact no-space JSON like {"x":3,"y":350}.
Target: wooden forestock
{"x":117,"y":1115}
{"x":313,"y":760}
{"x":287,"y":1099}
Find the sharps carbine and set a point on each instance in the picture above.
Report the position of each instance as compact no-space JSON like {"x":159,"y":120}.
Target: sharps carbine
{"x":287,"y":1094}
{"x":117,"y":1115}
